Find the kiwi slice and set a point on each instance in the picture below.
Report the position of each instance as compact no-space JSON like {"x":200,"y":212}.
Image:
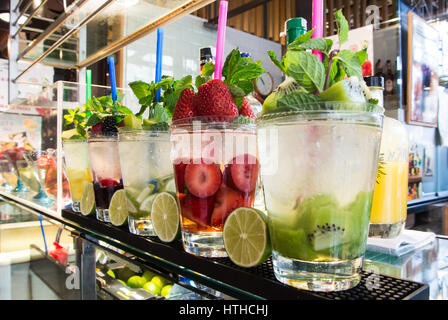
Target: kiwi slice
{"x":348,"y":90}
{"x":286,"y":87}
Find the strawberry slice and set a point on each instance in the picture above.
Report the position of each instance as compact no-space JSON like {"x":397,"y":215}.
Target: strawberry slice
{"x":246,"y":110}
{"x":226,"y":201}
{"x":215,"y":99}
{"x":179,"y":174}
{"x":203,"y":180}
{"x":196,"y":209}
{"x":108,"y":183}
{"x":244,"y":172}
{"x":185,"y":105}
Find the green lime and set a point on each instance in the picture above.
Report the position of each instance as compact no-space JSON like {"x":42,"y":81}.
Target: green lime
{"x":148,"y":275}
{"x":165,"y":217}
{"x":136,"y":282}
{"x":111,"y":273}
{"x":67,"y":134}
{"x":146,"y":205}
{"x":159,"y":281}
{"x":145,"y":193}
{"x":131,"y":203}
{"x":132,"y":121}
{"x":121,"y":281}
{"x":152,"y":287}
{"x":118,"y":210}
{"x":88,"y":199}
{"x":148,"y":123}
{"x":166,"y":290}
{"x":246,"y":237}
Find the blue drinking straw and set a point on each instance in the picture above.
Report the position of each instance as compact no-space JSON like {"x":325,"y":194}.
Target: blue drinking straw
{"x":159,"y":55}
{"x":113,"y":84}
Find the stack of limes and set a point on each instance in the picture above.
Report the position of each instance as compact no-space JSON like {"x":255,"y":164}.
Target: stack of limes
{"x":151,"y":282}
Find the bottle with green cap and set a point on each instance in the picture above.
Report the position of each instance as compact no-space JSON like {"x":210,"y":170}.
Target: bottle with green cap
{"x":295,"y":27}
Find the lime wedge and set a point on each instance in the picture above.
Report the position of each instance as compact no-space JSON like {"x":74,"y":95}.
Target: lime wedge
{"x":67,"y":134}
{"x":246,"y":237}
{"x":88,"y":199}
{"x":145,"y":193}
{"x":146,"y":205}
{"x":165,"y":217}
{"x":132,"y":121}
{"x":170,"y":186}
{"x":118,"y":210}
{"x":148,"y":123}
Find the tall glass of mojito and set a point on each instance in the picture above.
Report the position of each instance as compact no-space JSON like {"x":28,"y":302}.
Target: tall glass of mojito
{"x":318,"y":167}
{"x":77,"y":166}
{"x":106,"y":171}
{"x":147,"y":170}
{"x":216,"y":171}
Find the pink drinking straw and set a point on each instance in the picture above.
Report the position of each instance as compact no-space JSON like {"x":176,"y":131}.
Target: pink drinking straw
{"x":220,"y":41}
{"x":318,"y":23}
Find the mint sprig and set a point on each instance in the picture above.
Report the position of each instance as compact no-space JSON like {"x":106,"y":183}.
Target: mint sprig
{"x":313,"y":75}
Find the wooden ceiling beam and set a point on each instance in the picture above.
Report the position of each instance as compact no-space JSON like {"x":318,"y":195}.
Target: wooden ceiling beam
{"x":241,"y":9}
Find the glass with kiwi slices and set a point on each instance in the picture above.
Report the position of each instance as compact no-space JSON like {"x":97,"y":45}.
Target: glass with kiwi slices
{"x":318,"y":145}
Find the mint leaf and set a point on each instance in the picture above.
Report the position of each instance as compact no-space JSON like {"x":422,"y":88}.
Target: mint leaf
{"x":274,"y":60}
{"x":243,"y":119}
{"x":362,"y":56}
{"x":170,"y":100}
{"x":246,"y":85}
{"x":342,"y":26}
{"x":301,"y":39}
{"x":199,"y":81}
{"x":184,"y":83}
{"x":208,"y":69}
{"x":236,"y":91}
{"x":296,"y":99}
{"x":246,"y":72}
{"x":164,"y":83}
{"x":159,"y":114}
{"x":350,"y":63}
{"x":320,"y":44}
{"x":94,"y":119}
{"x":233,"y":61}
{"x":306,"y":69}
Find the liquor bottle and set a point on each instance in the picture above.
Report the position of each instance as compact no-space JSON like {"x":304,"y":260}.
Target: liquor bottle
{"x":206,"y":55}
{"x":390,"y":79}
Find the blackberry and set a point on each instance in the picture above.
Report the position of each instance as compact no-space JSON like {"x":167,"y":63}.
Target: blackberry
{"x":110,"y":125}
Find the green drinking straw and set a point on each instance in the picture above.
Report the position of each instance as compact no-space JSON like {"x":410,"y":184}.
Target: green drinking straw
{"x":88,"y":88}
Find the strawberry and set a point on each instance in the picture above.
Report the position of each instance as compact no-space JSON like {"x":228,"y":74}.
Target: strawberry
{"x":203,"y":180}
{"x":97,"y":128}
{"x":215,"y":99}
{"x":196,"y":209}
{"x":246,"y":110}
{"x":226,"y":201}
{"x":244,"y":172}
{"x":184,"y":107}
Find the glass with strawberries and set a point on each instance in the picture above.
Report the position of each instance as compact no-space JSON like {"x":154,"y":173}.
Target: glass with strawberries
{"x":216,"y":171}
{"x":102,"y":143}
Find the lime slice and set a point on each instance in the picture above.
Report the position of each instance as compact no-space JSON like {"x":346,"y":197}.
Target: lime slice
{"x":145,"y":193}
{"x":246,"y":237}
{"x":132,"y":203}
{"x":148,"y":123}
{"x":146,"y":205}
{"x":132,"y":121}
{"x":170,"y":186}
{"x":165,"y":217}
{"x":88,"y":199}
{"x":118,"y":210}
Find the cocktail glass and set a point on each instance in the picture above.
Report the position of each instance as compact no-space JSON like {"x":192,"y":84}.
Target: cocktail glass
{"x":9,"y":175}
{"x":13,"y":155}
{"x":389,"y":208}
{"x":216,"y":171}
{"x":147,"y":170}
{"x":43,"y":163}
{"x":77,"y":165}
{"x":318,"y":169}
{"x":106,"y":171}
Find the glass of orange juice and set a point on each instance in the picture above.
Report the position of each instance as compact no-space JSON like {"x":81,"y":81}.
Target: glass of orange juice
{"x":389,"y":208}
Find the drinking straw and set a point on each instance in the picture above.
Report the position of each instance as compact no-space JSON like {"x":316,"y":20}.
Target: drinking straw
{"x":159,"y":55}
{"x":222,"y":23}
{"x":88,"y":84}
{"x":318,"y":23}
{"x":113,"y":84}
